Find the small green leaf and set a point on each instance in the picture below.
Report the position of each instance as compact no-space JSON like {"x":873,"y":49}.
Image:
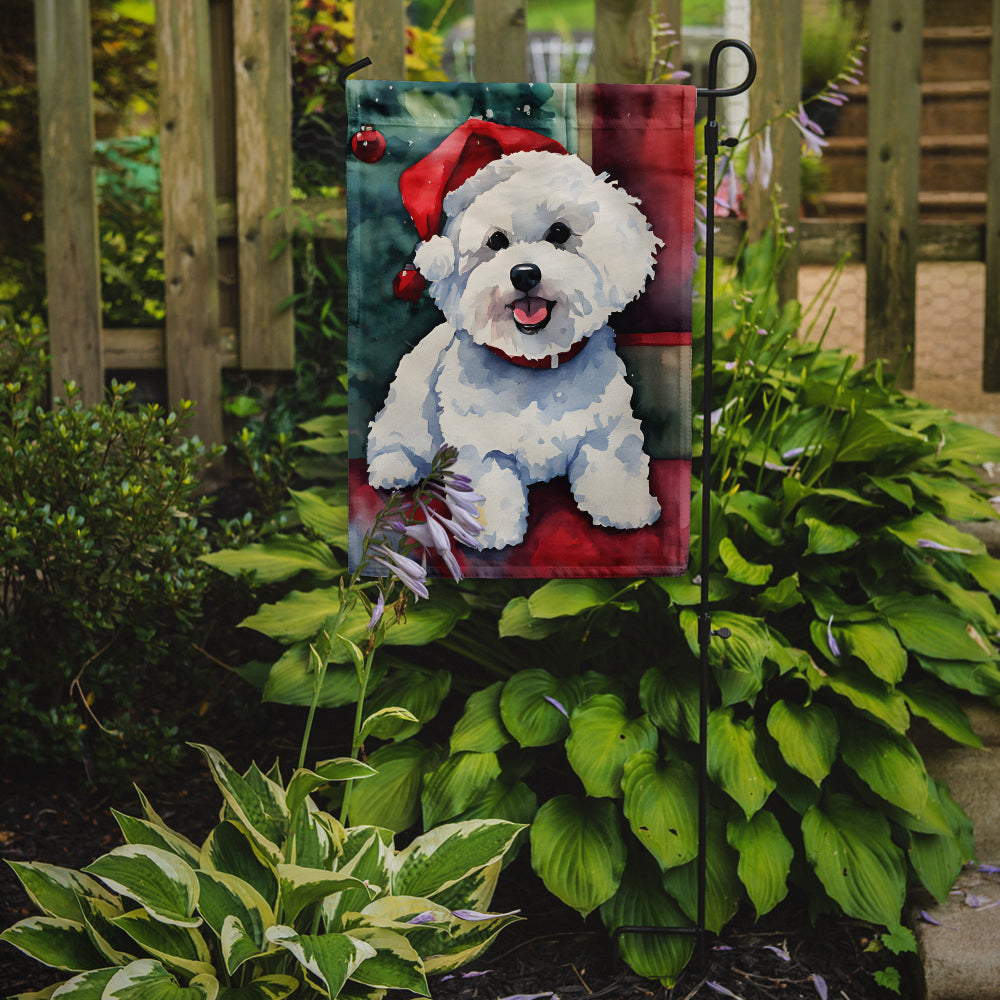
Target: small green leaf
{"x":517,"y":620}
{"x":560,"y":598}
{"x":828,"y":539}
{"x":578,"y":851}
{"x":739,"y":569}
{"x":481,"y":727}
{"x":279,"y":558}
{"x":765,"y":858}
{"x":732,"y":760}
{"x":807,"y":736}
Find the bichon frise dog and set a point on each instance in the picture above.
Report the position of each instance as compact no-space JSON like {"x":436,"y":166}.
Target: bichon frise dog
{"x":535,"y":254}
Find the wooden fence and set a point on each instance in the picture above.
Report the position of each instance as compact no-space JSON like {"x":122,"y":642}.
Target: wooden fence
{"x":226,"y":161}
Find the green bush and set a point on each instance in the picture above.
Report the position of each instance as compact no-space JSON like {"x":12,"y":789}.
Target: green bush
{"x":101,"y":584}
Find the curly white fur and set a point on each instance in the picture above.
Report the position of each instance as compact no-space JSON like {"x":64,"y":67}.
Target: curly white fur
{"x":537,"y":252}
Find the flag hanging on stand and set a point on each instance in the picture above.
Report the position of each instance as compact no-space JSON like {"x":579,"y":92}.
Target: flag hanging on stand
{"x":520,"y":271}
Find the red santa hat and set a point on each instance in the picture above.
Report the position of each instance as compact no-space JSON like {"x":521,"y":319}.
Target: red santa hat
{"x":468,"y":149}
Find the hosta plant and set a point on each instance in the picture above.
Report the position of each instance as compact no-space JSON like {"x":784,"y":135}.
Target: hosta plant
{"x":279,"y":900}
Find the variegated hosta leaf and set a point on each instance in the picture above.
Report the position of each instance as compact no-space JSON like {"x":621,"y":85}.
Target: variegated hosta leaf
{"x":535,"y":706}
{"x":55,"y":941}
{"x":141,"y":831}
{"x":224,"y":898}
{"x":807,"y":736}
{"x":328,"y":959}
{"x":230,"y":849}
{"x":578,"y":851}
{"x":475,"y":891}
{"x":732,"y":760}
{"x":274,"y":987}
{"x":304,"y":782}
{"x":418,"y":691}
{"x":147,"y":979}
{"x":158,"y":880}
{"x":456,"y":784}
{"x":256,"y":801}
{"x":850,"y":847}
{"x":116,"y":947}
{"x":481,"y":727}
{"x":642,"y":902}
{"x":468,"y":939}
{"x":661,"y":799}
{"x":301,"y":887}
{"x":87,"y":986}
{"x":177,"y":947}
{"x":441,"y":857}
{"x":395,"y":964}
{"x":765,"y":858}
{"x":602,"y":737}
{"x":56,"y":891}
{"x":723,"y":889}
{"x":315,"y":838}
{"x":367,"y":853}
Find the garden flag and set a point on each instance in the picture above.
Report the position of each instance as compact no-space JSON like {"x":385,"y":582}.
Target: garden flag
{"x":520,"y":270}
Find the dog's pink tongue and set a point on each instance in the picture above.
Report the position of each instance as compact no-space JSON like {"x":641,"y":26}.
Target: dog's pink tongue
{"x":530,"y":311}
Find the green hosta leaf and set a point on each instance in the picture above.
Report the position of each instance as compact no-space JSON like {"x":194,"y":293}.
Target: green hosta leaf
{"x":230,"y":849}
{"x":330,"y":959}
{"x":516,"y":803}
{"x":738,"y":661}
{"x":147,"y":979}
{"x":327,"y":520}
{"x":850,"y":848}
{"x":535,"y":706}
{"x":941,"y":709}
{"x":828,"y":539}
{"x":976,"y":678}
{"x":559,"y":598}
{"x":301,"y":887}
{"x":723,"y":889}
{"x":578,"y":851}
{"x":56,"y":891}
{"x":481,"y":728}
{"x":260,"y":809}
{"x":760,"y":512}
{"x":661,"y":798}
{"x":641,"y":901}
{"x":180,"y":948}
{"x":937,"y":859}
{"x":975,"y":605}
{"x":54,"y":941}
{"x":965,"y":443}
{"x":894,"y":489}
{"x":807,"y":736}
{"x":986,"y":572}
{"x":732,"y":760}
{"x":292,"y":681}
{"x":602,"y":738}
{"x":391,"y":798}
{"x":517,"y":620}
{"x":417,"y":690}
{"x":876,"y":646}
{"x":927,"y":528}
{"x":957,"y":501}
{"x":741,"y":571}
{"x":683,"y":592}
{"x":783,"y":595}
{"x":395,"y":964}
{"x":866,"y":692}
{"x":441,"y":857}
{"x":765,"y":858}
{"x":226,"y":898}
{"x":141,"y":831}
{"x":276,"y":987}
{"x":931,"y":628}
{"x":279,"y":558}
{"x":888,"y":763}
{"x":870,"y":436}
{"x":159,"y":881}
{"x":456,"y":784}
{"x":671,"y":700}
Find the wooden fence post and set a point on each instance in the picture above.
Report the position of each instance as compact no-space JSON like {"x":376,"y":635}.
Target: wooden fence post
{"x":190,"y":251}
{"x":893,"y":183}
{"x":72,"y":255}
{"x":501,"y":38}
{"x":380,"y":34}
{"x":776,"y":35}
{"x":991,"y":332}
{"x":622,"y":38}
{"x":261,"y":56}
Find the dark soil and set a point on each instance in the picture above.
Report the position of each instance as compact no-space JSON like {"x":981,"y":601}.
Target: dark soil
{"x":551,"y":952}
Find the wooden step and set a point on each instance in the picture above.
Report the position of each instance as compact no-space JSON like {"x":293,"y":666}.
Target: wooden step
{"x":958,"y":206}
{"x":956,"y":53}
{"x":947,"y":162}
{"x":939,"y":13}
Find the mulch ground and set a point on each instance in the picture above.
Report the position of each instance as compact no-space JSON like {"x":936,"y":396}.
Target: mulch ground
{"x":551,"y":952}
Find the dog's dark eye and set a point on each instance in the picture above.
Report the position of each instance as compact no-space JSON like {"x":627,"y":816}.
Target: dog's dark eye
{"x":558,"y":233}
{"x":498,"y":241}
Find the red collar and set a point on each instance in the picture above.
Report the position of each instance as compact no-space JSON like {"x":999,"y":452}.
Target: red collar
{"x":545,"y":362}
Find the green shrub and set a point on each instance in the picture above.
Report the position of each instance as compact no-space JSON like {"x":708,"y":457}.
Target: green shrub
{"x":101,"y":584}
{"x":279,"y":900}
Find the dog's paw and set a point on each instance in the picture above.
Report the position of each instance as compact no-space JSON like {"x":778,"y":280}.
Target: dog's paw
{"x":391,"y":470}
{"x":631,"y":509}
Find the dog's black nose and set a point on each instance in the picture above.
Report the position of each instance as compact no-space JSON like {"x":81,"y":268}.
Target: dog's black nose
{"x":524,"y":277}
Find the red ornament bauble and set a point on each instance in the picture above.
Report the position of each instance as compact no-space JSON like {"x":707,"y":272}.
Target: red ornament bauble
{"x":409,"y":284}
{"x":368,"y":144}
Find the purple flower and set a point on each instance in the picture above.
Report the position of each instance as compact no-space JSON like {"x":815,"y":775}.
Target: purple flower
{"x":811,"y":132}
{"x":719,"y":988}
{"x":558,"y":705}
{"x":431,"y":535}
{"x":761,"y":162}
{"x":411,"y":574}
{"x":377,"y":612}
{"x":927,"y":543}
{"x":427,"y":917}
{"x":780,"y":952}
{"x":475,"y":915}
{"x":831,"y":642}
{"x":820,"y":983}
